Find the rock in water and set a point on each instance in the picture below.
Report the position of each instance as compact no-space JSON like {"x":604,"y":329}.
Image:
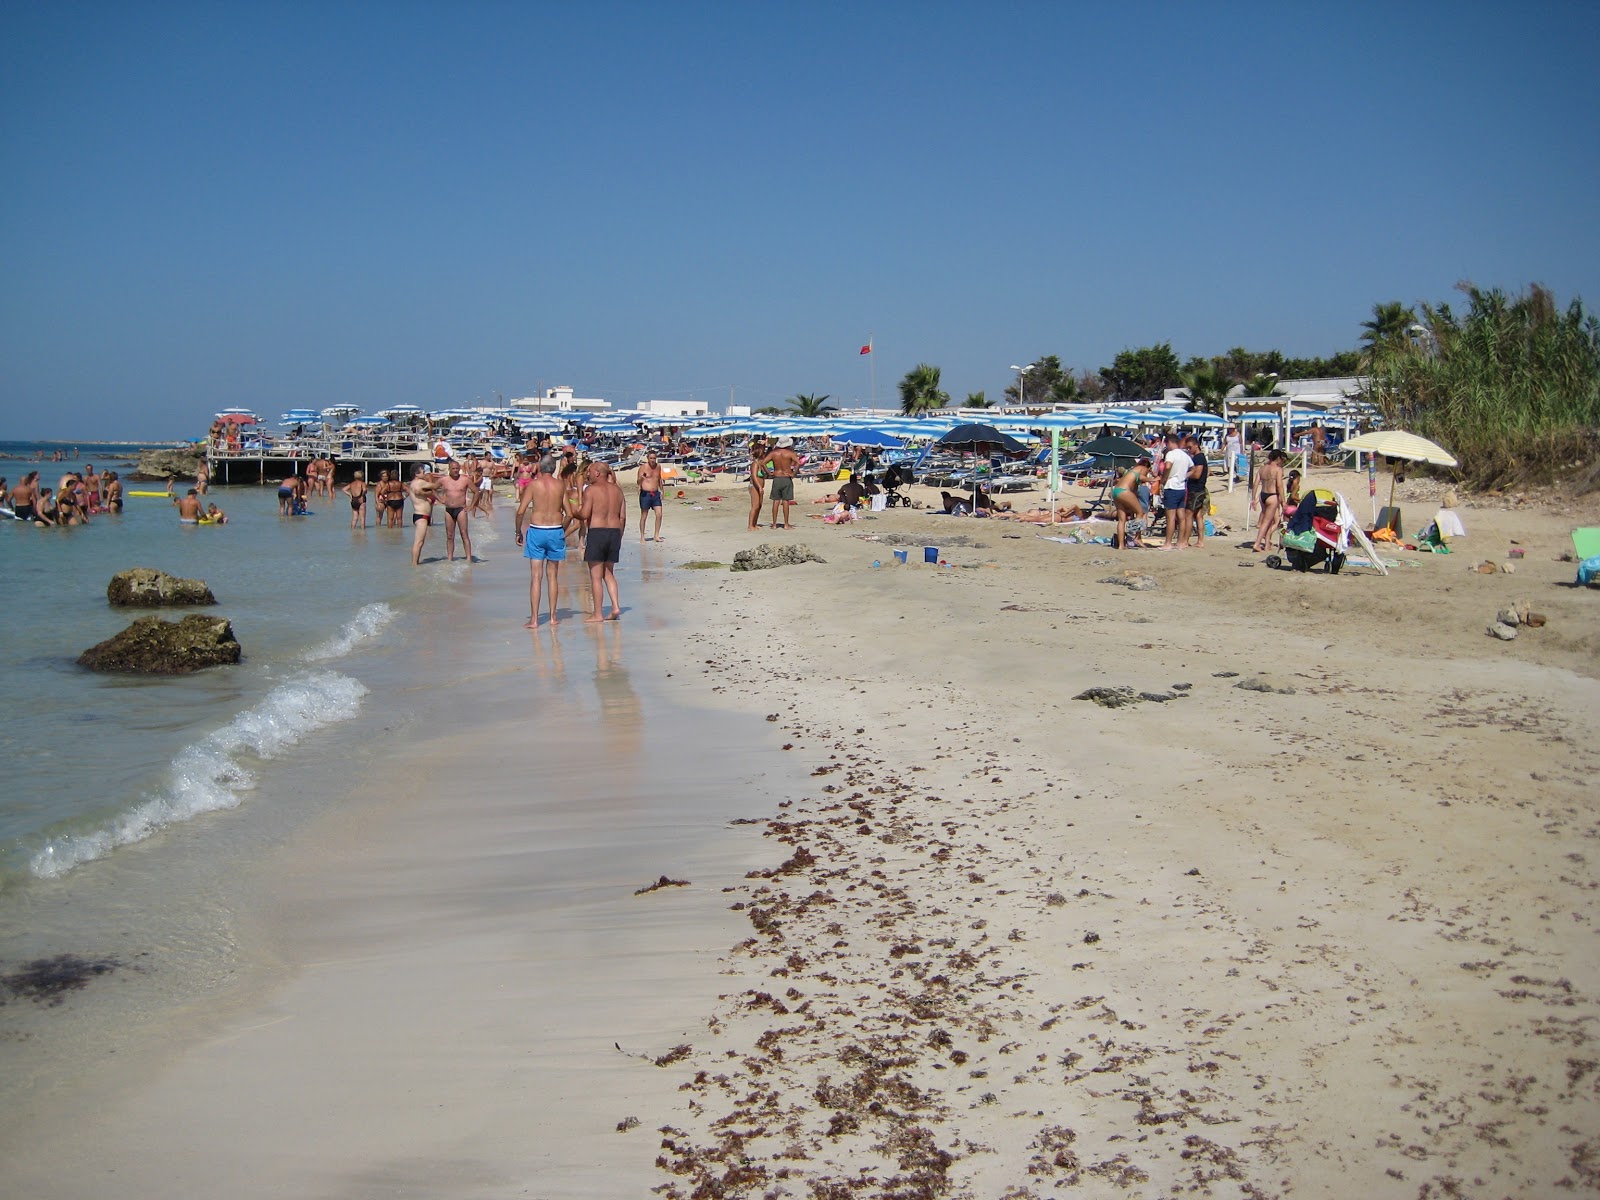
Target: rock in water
{"x":767,"y":555}
{"x":167,"y":464}
{"x":144,"y":587}
{"x":151,"y":646}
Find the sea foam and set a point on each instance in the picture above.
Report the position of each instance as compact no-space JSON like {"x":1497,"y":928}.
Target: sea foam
{"x":210,"y":774}
{"x":368,"y":622}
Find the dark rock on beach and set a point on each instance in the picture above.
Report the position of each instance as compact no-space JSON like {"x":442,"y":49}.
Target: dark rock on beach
{"x":767,"y":555}
{"x":145,"y":587}
{"x":1266,"y":683}
{"x":151,"y":646}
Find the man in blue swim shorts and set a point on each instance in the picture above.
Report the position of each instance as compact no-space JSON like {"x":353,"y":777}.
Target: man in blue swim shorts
{"x":650,"y":493}
{"x":542,"y":520}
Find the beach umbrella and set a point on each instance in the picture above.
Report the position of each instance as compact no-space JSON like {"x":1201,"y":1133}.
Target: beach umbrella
{"x":868,"y":437}
{"x":366,"y":422}
{"x":238,"y":418}
{"x":1112,"y":446}
{"x":980,"y":439}
{"x":1396,"y":443}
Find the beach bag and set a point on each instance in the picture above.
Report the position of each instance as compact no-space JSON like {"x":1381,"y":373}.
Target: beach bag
{"x":1588,"y":571}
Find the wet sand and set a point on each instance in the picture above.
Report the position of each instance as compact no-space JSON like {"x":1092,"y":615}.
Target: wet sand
{"x":984,"y":939}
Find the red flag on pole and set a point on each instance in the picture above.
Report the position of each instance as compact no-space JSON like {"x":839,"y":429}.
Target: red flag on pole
{"x":867,"y":349}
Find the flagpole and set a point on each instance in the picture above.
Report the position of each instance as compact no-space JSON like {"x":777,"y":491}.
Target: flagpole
{"x":872,"y":369}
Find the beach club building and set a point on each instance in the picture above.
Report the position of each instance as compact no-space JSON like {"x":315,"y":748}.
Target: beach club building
{"x":560,"y":400}
{"x":675,"y":408}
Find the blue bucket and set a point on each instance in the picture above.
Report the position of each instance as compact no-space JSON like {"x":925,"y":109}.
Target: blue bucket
{"x":930,"y":554}
{"x":900,"y":556}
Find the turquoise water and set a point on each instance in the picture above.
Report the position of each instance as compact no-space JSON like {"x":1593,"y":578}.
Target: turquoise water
{"x":100,"y":762}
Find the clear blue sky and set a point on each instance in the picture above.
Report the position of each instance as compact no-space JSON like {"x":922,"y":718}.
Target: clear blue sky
{"x":287,"y":204}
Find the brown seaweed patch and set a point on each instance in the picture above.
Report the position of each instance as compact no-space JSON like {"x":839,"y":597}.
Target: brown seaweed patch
{"x":48,"y":980}
{"x":663,"y":882}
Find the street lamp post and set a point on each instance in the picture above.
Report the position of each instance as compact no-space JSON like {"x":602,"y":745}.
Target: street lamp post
{"x":1022,"y":397}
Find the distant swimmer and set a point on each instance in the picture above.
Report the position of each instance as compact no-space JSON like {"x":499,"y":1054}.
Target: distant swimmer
{"x":650,"y":494}
{"x":605,"y":512}
{"x":542,"y":520}
{"x":356,"y":489}
{"x":424,"y":491}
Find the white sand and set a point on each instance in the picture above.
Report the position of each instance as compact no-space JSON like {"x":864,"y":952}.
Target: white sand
{"x":1339,"y":941}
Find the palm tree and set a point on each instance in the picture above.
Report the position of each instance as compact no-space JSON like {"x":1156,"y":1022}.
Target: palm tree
{"x":1262,"y":385}
{"x":1205,"y":390}
{"x":920,"y":391}
{"x":978,"y":400}
{"x":772,"y":410}
{"x":811,"y":406}
{"x":1389,"y":330}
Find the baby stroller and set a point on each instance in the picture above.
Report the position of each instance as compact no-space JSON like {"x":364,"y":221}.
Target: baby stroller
{"x":1318,"y":532}
{"x":895,"y":478}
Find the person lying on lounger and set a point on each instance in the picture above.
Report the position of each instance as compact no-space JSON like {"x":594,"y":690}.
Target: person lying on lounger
{"x":963,"y":503}
{"x":1043,"y":516}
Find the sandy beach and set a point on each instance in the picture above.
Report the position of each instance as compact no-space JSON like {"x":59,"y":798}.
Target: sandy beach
{"x":1316,"y":918}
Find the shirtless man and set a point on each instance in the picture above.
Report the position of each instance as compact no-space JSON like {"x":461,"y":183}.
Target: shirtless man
{"x":784,"y":462}
{"x":356,"y":489}
{"x":542,"y":520}
{"x":189,"y":510}
{"x":424,"y":491}
{"x":605,"y":512}
{"x":25,"y":497}
{"x":456,"y":490}
{"x":286,"y":494}
{"x":649,"y":497}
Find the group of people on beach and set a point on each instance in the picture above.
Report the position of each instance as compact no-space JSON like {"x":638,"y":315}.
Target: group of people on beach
{"x":557,"y":494}
{"x":76,"y":497}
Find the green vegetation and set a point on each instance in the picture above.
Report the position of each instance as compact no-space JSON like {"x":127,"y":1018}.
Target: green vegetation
{"x":1389,"y":330}
{"x":1143,"y":374}
{"x":1258,"y":386}
{"x":1511,"y":387}
{"x":920,"y":391}
{"x":811,"y":405}
{"x":1205,"y":389}
{"x":978,"y":400}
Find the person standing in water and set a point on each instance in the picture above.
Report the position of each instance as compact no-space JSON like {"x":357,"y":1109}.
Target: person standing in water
{"x":650,"y":493}
{"x":605,"y":512}
{"x":541,"y":522}
{"x":356,"y":489}
{"x":456,"y":490}
{"x":424,"y":491}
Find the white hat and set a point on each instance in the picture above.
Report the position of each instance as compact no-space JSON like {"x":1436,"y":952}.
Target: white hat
{"x":785,"y":442}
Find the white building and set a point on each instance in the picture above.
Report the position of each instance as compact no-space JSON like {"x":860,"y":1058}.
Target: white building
{"x":675,"y":408}
{"x":560,"y":399}
{"x":1307,"y":393}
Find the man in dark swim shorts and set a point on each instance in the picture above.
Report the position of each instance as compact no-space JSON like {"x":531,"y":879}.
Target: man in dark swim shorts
{"x":650,"y":479}
{"x":605,"y":511}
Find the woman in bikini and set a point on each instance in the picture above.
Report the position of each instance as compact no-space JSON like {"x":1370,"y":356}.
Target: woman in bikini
{"x":758,"y":451}
{"x":1125,"y":499}
{"x":1270,"y":492}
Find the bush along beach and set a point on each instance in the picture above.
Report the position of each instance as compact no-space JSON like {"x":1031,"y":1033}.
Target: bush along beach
{"x":1511,"y":386}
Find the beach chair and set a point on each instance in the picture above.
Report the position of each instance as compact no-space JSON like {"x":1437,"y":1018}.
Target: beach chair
{"x":1586,"y":543}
